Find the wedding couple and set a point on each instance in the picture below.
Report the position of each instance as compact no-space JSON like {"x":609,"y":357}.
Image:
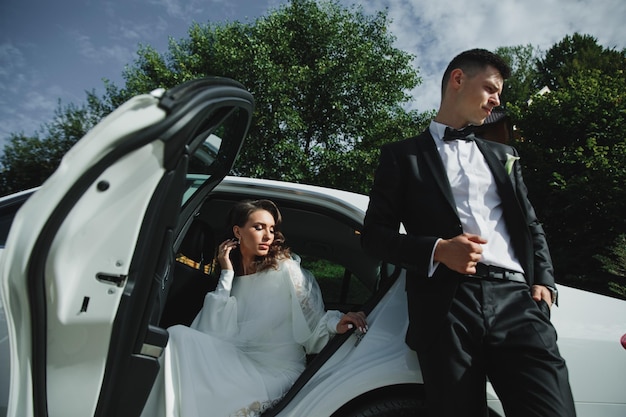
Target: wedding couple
{"x":479,"y":281}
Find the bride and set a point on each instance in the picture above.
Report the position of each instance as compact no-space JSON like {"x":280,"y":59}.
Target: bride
{"x":248,"y":344}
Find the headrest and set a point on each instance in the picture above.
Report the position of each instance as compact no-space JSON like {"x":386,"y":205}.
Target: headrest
{"x":199,"y":242}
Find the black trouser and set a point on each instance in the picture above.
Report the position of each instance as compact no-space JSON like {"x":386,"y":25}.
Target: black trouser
{"x":495,"y":330}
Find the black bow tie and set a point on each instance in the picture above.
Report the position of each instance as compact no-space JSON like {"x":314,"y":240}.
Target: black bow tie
{"x":466,"y":134}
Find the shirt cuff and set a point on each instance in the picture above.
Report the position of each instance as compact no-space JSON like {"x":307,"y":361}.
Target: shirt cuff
{"x":432,"y":267}
{"x":554,"y":294}
{"x":225,"y":282}
{"x":334,"y":317}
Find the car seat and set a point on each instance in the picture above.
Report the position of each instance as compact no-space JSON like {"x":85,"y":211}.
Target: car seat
{"x":192,"y":276}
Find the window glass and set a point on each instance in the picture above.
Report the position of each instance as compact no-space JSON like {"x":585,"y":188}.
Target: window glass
{"x":341,"y":290}
{"x":216,"y":142}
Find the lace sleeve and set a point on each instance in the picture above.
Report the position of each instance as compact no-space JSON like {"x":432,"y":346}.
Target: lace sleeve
{"x":219,"y":311}
{"x":312,"y":325}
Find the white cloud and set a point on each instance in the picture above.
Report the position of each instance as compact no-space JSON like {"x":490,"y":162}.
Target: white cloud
{"x":188,"y":10}
{"x":15,"y":78}
{"x":435,"y":31}
{"x":41,"y":101}
{"x":119,"y":53}
{"x":25,"y":99}
{"x":26,"y":115}
{"x":11,"y":60}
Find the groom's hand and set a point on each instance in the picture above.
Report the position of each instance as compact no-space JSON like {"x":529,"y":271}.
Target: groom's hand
{"x":461,"y":253}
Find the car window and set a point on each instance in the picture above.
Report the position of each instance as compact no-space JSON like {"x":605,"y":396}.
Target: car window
{"x":210,"y":147}
{"x":341,"y":289}
{"x":328,"y":245}
{"x":200,"y":165}
{"x":197,"y":272}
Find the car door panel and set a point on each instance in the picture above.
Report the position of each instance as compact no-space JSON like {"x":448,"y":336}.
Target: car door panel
{"x":95,"y":244}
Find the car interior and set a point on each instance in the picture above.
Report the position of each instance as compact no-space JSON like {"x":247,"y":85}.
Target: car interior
{"x":328,"y":244}
{"x":329,"y":248}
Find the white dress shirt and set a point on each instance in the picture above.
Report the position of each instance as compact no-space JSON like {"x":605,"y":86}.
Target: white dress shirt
{"x":477,"y":200}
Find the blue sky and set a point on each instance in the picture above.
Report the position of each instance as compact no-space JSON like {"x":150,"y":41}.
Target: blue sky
{"x":52,"y":50}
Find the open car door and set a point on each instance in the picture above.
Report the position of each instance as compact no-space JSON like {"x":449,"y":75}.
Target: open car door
{"x":90,"y":253}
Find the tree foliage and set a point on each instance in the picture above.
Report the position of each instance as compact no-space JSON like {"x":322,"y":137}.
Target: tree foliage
{"x":28,"y":161}
{"x":614,"y":262}
{"x":329,"y":88}
{"x":573,"y":147}
{"x":574,"y":54}
{"x":521,"y":84}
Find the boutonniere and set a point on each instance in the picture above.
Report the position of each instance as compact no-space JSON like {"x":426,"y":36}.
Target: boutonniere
{"x":510,"y":160}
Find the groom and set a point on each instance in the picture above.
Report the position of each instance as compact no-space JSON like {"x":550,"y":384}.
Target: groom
{"x":479,"y":281}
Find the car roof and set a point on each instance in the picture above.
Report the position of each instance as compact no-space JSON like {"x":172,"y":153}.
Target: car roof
{"x":347,"y":203}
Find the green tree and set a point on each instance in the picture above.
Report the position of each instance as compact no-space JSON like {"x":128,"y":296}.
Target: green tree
{"x":27,"y":161}
{"x":574,"y":54}
{"x":521,"y":85}
{"x":329,"y":88}
{"x":573,"y":149}
{"x":614,"y":262}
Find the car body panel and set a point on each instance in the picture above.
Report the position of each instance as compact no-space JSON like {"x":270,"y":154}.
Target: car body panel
{"x":589,"y":327}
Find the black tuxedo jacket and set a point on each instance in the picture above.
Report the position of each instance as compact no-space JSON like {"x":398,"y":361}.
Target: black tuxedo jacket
{"x":411,"y":188}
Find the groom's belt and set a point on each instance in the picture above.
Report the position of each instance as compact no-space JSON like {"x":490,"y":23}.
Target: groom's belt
{"x":495,"y":272}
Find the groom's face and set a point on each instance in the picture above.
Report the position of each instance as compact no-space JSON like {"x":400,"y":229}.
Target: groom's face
{"x":478,"y":94}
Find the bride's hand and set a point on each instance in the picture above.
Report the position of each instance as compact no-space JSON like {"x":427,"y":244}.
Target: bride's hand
{"x":351,"y":320}
{"x":223,"y":253}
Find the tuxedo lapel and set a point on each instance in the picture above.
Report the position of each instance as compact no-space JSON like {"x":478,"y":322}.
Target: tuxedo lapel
{"x":503,"y":182}
{"x":426,"y":146}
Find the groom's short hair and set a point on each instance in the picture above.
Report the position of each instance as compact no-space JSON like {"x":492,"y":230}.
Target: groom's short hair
{"x":475,"y":60}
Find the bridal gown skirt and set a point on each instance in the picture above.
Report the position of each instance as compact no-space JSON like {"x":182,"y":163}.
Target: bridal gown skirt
{"x":245,"y":348}
{"x":204,"y":376}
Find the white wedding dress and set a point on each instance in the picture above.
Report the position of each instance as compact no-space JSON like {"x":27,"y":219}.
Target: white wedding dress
{"x":245,"y":348}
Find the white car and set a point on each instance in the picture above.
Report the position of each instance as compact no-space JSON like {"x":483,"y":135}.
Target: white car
{"x":116,"y":246}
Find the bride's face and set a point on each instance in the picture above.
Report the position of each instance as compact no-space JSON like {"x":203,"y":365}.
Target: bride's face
{"x":256,"y":236}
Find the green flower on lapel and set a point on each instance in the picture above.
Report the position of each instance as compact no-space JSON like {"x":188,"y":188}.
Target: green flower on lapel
{"x":510,"y":160}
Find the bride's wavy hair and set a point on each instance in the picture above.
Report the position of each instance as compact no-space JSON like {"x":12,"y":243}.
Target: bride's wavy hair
{"x":239,"y":215}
